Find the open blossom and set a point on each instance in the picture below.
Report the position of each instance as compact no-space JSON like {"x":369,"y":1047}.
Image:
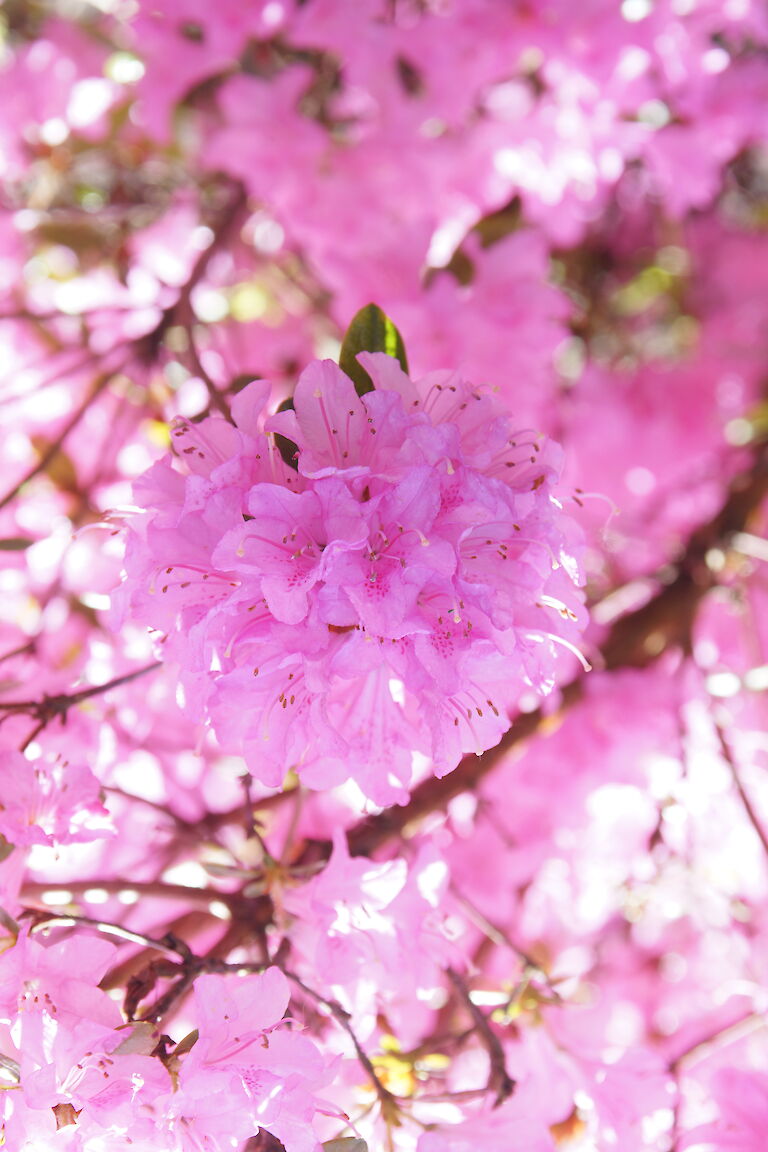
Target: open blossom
{"x":396,"y":591}
{"x":247,"y":1071}
{"x":49,"y":802}
{"x":377,"y":935}
{"x":74,"y":1063}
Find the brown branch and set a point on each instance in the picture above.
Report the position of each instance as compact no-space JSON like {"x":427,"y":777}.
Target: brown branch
{"x":434,"y":794}
{"x":501,"y":939}
{"x":170,"y":945}
{"x":186,"y":893}
{"x":388,"y":1102}
{"x":634,"y":641}
{"x":746,"y":801}
{"x":55,"y":447}
{"x":499,"y":1080}
{"x":198,"y":368}
{"x":22,"y":650}
{"x":720,"y":1038}
{"x":145,"y":347}
{"x":49,"y":707}
{"x":188,"y":970}
{"x":177,"y":312}
{"x":700,"y":1050}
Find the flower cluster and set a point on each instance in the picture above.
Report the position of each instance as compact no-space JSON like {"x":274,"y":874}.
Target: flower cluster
{"x":397,"y":590}
{"x":84,"y":1080}
{"x":568,"y":205}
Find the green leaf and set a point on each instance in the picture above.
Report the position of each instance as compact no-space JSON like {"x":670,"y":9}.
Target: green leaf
{"x":346,"y":1144}
{"x":15,"y":544}
{"x":371,"y":330}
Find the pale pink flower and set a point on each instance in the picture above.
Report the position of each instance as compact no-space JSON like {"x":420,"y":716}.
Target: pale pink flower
{"x":49,"y":802}
{"x":248,"y":1070}
{"x":377,"y":935}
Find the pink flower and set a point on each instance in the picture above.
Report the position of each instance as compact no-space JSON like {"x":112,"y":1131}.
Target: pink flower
{"x":376,"y":935}
{"x":246,"y":1071}
{"x":742,"y":1099}
{"x":52,"y":1005}
{"x":49,"y":802}
{"x":398,"y":591}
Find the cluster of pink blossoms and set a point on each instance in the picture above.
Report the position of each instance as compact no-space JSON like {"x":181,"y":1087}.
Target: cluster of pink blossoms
{"x":78,"y":1078}
{"x":391,"y":593}
{"x":565,"y":202}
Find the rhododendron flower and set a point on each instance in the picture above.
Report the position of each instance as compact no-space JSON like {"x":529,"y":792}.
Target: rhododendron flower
{"x":397,"y":590}
{"x":48,"y":802}
{"x":66,"y":1039}
{"x":246,"y":1071}
{"x":377,"y":935}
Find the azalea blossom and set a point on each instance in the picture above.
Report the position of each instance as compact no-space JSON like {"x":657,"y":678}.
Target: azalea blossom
{"x":397,"y":591}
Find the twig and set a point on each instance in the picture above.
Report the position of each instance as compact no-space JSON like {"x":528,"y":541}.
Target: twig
{"x":500,"y":938}
{"x":199,"y":369}
{"x":169,"y":945}
{"x":389,"y":1105}
{"x":191,"y":967}
{"x":55,"y":447}
{"x":176,"y":311}
{"x":50,"y":707}
{"x":720,"y":1038}
{"x":20,"y":651}
{"x":700,"y":1050}
{"x":145,"y":347}
{"x":749,"y":807}
{"x":155,"y":888}
{"x":499,"y":1080}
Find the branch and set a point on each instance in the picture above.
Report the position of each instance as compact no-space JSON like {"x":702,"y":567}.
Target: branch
{"x":169,"y":944}
{"x":230,"y":215}
{"x":499,"y":1080}
{"x":187,"y":971}
{"x":145,"y":347}
{"x":51,"y":451}
{"x":531,"y":969}
{"x":701,"y":1049}
{"x":50,"y":707}
{"x":388,"y":1102}
{"x":217,"y":400}
{"x":749,"y":807}
{"x":155,"y":888}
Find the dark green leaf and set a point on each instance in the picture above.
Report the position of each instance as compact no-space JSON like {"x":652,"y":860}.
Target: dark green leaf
{"x":371,"y":330}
